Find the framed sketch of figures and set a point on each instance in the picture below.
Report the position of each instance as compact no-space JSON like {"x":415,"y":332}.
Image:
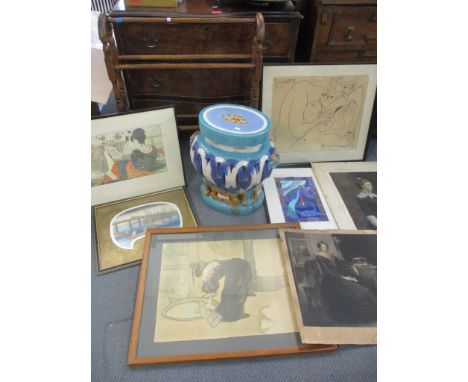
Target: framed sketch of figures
{"x":121,"y":226}
{"x":319,"y":112}
{"x":134,"y":154}
{"x":293,"y":195}
{"x":333,"y":278}
{"x":351,"y":191}
{"x":213,"y":293}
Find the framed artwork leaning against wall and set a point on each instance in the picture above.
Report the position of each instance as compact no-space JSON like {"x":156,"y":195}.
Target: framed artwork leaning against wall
{"x":333,"y":278}
{"x":213,"y":293}
{"x":319,"y":112}
{"x":351,"y":192}
{"x":121,"y":226}
{"x":133,"y":154}
{"x":293,"y":195}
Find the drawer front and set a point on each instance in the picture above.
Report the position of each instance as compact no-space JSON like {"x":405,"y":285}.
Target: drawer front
{"x":280,"y":40}
{"x":145,"y":38}
{"x":347,"y":27}
{"x":192,"y":83}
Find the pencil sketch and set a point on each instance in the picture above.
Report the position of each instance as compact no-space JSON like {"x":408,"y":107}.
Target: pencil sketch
{"x":317,"y":113}
{"x":222,"y":289}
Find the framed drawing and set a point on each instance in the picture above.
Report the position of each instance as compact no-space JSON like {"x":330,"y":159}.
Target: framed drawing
{"x":121,"y":226}
{"x":293,"y":195}
{"x":351,"y":191}
{"x":333,"y":278}
{"x":319,"y":112}
{"x":134,"y":154}
{"x":213,"y":293}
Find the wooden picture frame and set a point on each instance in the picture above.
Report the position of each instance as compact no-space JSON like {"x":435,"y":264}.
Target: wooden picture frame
{"x":341,"y":183}
{"x":134,"y":154}
{"x":143,"y":349}
{"x":319,"y":113}
{"x":170,"y":208}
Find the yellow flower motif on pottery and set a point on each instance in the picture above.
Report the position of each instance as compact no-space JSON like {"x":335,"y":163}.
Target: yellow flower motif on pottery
{"x":234,"y":118}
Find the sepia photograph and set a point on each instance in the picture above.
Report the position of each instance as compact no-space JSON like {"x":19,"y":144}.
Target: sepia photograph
{"x":335,"y":283}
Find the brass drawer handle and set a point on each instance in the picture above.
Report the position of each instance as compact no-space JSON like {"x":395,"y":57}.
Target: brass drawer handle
{"x":149,"y":42}
{"x":349,"y":33}
{"x":156,"y":82}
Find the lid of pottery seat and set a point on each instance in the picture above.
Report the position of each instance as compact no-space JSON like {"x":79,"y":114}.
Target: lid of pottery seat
{"x":234,"y":125}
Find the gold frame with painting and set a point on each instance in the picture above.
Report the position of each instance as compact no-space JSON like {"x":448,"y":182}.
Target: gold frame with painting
{"x":120,"y":226}
{"x":319,"y":113}
{"x":213,"y":293}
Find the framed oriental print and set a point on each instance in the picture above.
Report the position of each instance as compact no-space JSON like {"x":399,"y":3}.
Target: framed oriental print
{"x":351,"y":192}
{"x":134,"y":154}
{"x":333,"y":278}
{"x":319,"y":112}
{"x":121,"y":226}
{"x":293,"y":195}
{"x":213,"y":293}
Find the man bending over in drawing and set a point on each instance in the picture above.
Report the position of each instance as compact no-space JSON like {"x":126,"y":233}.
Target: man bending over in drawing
{"x":237,"y":275}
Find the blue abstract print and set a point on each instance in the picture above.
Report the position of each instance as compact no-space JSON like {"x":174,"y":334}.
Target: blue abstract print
{"x":300,"y":200}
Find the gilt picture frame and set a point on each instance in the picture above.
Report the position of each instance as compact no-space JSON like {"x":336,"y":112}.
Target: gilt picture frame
{"x":134,"y":154}
{"x":319,"y":113}
{"x":350,"y":189}
{"x":294,"y":195}
{"x":120,"y":226}
{"x":213,"y":293}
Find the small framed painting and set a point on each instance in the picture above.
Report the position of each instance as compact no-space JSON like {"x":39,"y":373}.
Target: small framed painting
{"x":293,"y":195}
{"x":121,"y":226}
{"x":351,"y":191}
{"x":134,"y":154}
{"x":214,"y":293}
{"x":333,"y":278}
{"x":319,"y":113}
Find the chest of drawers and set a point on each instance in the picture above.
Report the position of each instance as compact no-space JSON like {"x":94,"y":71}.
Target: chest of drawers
{"x":345,"y":31}
{"x":190,"y":57}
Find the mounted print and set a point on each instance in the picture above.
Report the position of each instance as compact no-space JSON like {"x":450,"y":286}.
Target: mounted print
{"x":293,"y":195}
{"x":213,"y":293}
{"x":121,"y":226}
{"x":351,"y":191}
{"x":319,"y":112}
{"x":134,"y":154}
{"x":333,"y":277}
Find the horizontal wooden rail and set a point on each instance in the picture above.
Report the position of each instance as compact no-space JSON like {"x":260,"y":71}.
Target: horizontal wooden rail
{"x":143,"y":57}
{"x":186,"y":66}
{"x":183,"y":20}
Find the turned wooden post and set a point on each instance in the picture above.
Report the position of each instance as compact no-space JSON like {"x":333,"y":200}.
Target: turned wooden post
{"x":111,"y":59}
